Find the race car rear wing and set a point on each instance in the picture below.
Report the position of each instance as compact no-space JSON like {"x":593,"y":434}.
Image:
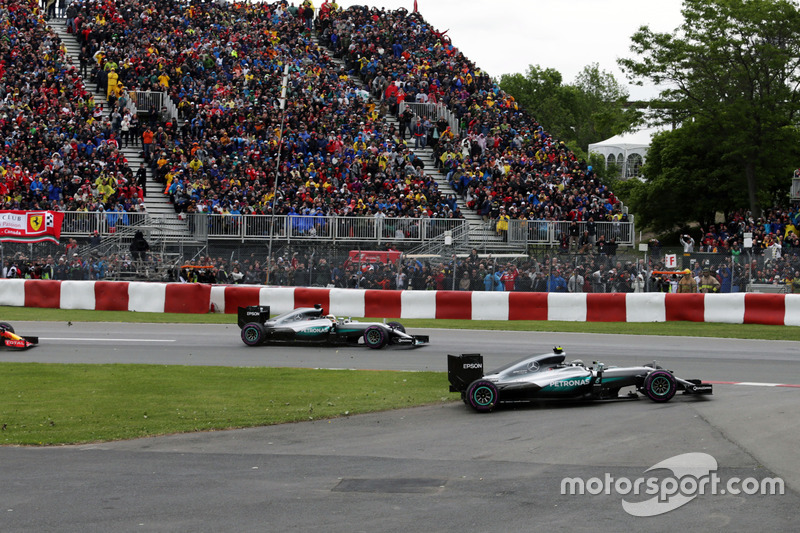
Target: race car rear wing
{"x":463,"y":369}
{"x":253,"y":313}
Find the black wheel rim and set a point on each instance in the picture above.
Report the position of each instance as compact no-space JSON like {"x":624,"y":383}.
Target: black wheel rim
{"x":374,"y":336}
{"x":660,"y":386}
{"x":483,"y":395}
{"x":251,"y":334}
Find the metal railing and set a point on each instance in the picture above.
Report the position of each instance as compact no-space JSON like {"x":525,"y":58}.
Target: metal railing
{"x":144,"y":101}
{"x":311,"y":227}
{"x":82,"y":223}
{"x":449,"y":241}
{"x":544,"y":232}
{"x":432,"y":112}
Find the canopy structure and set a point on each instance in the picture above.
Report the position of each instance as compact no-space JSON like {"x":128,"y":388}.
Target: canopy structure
{"x":627,"y":150}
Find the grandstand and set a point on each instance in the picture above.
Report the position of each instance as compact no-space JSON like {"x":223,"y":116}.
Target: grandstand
{"x":348,"y":150}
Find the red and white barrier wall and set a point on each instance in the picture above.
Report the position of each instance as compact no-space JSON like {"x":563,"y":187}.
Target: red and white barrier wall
{"x":738,"y":308}
{"x":106,"y":295}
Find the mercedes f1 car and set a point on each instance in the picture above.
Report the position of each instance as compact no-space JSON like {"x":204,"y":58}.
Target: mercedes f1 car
{"x":311,"y":324}
{"x":549,"y":376}
{"x":10,"y":339}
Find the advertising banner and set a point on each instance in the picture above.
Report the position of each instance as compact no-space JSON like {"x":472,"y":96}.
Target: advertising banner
{"x":30,"y":226}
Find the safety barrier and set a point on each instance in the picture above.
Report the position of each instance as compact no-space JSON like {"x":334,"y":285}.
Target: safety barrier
{"x":737,"y":308}
{"x":106,"y":295}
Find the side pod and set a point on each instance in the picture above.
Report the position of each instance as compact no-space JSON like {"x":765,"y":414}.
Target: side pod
{"x":463,"y":369}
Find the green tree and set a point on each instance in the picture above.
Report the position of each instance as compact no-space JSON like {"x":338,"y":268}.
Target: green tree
{"x":733,"y":66}
{"x":608,"y":173}
{"x":589,"y":110}
{"x":540,"y":92}
{"x":601,"y":106}
{"x":687,"y":181}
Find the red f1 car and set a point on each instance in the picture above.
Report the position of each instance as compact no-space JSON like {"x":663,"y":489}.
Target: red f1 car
{"x":10,"y":339}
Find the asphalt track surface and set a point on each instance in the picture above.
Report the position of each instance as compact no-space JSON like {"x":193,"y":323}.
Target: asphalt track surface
{"x":436,"y":468}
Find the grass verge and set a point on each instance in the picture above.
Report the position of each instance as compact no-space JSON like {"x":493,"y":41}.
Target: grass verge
{"x":47,"y":404}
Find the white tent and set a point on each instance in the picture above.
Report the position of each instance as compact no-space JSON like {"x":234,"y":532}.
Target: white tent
{"x":628,"y":150}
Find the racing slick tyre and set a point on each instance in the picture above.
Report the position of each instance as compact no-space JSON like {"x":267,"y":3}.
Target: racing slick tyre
{"x":5,"y":326}
{"x":375,"y":337}
{"x":253,"y":333}
{"x":398,"y":326}
{"x":660,"y":386}
{"x":482,"y":395}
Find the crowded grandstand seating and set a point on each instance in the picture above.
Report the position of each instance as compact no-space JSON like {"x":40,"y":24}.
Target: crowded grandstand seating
{"x":223,"y":67}
{"x":502,"y":162}
{"x":56,"y":154}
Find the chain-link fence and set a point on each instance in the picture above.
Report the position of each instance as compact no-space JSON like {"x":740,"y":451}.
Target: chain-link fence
{"x":541,"y":269}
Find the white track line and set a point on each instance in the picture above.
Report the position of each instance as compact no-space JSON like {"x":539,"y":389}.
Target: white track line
{"x":102,"y":339}
{"x":752,"y":384}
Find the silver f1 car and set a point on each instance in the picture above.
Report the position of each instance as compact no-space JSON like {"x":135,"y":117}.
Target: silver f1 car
{"x":548,"y":376}
{"x":311,"y":324}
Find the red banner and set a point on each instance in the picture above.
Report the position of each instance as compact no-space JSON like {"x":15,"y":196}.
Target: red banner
{"x":30,"y":226}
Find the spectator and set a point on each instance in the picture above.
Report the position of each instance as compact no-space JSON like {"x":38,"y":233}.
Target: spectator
{"x":687,"y":283}
{"x":509,"y":277}
{"x":708,"y":283}
{"x":139,"y":247}
{"x":796,"y":282}
{"x":492,"y":282}
{"x":576,"y":282}
{"x":638,"y":284}
{"x":688,"y":243}
{"x":556,"y":283}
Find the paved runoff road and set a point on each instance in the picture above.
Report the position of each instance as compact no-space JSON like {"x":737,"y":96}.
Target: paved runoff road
{"x":437,"y":468}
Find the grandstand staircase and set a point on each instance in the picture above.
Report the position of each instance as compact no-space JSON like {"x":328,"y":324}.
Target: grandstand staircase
{"x":482,"y":235}
{"x":163,"y":224}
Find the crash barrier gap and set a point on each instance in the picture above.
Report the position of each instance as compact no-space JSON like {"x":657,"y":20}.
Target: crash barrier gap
{"x":737,"y":308}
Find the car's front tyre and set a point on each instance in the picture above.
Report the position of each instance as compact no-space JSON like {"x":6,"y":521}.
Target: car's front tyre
{"x":482,"y":395}
{"x":253,"y":333}
{"x":660,"y":386}
{"x":375,"y":337}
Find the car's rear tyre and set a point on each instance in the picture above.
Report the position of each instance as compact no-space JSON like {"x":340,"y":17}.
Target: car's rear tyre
{"x":5,"y":326}
{"x":482,"y":395}
{"x":398,"y":326}
{"x":375,"y":337}
{"x":253,"y":333}
{"x":660,"y":386}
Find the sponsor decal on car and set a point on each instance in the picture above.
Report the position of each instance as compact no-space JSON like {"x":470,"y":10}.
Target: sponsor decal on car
{"x":570,"y":382}
{"x":16,"y":343}
{"x":318,"y":329}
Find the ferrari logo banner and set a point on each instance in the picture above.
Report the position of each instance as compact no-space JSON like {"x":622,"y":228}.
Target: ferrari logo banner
{"x":30,"y":226}
{"x":35,"y":223}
